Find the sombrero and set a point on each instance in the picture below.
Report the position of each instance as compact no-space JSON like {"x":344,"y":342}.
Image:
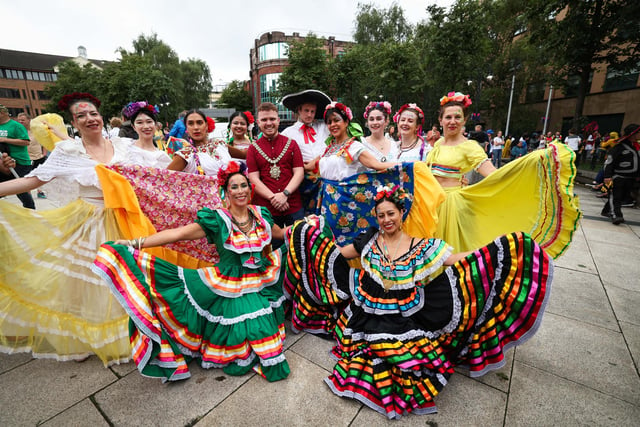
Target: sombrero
{"x":294,"y":100}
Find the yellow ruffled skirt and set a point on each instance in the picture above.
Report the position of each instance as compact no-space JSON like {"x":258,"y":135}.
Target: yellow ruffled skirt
{"x":51,"y":303}
{"x":533,"y":194}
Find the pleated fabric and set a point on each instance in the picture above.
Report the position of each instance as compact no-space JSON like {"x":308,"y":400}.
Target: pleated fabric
{"x":228,"y":316}
{"x":533,"y":194}
{"x":397,"y":348}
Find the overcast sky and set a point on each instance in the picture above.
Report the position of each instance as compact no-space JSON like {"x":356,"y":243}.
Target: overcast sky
{"x":218,"y":32}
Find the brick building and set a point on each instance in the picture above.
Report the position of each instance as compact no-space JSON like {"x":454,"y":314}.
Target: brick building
{"x":269,"y":58}
{"x":25,"y":75}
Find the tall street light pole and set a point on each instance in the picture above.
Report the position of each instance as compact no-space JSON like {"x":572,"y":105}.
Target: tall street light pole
{"x":513,"y":83}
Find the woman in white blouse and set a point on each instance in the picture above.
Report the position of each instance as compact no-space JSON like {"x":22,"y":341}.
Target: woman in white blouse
{"x":345,"y":155}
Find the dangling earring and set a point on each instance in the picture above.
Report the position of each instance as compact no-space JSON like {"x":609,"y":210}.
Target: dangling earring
{"x":381,"y":231}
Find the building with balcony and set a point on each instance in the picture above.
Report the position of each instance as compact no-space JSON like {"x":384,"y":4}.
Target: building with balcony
{"x":269,"y":57}
{"x":25,"y":75}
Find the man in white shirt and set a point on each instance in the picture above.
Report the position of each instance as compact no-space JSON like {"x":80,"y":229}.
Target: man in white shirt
{"x":309,"y":131}
{"x":496,"y":150}
{"x":573,"y":141}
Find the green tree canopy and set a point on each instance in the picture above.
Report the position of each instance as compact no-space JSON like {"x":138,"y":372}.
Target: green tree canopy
{"x":578,"y":36}
{"x":236,"y":96}
{"x":309,"y":67}
{"x":152,"y":71}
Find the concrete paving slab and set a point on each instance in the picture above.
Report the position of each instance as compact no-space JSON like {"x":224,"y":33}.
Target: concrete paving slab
{"x":616,"y":265}
{"x":123,"y":369}
{"x":538,"y":398}
{"x":316,"y":350}
{"x":625,"y":304}
{"x":580,"y":296}
{"x":41,"y":389}
{"x":135,"y":400}
{"x":83,"y":414}
{"x":589,"y":355}
{"x":301,"y":400}
{"x":500,"y":378}
{"x":291,"y":337}
{"x":631,"y":334}
{"x":463,"y":402}
{"x":10,"y":361}
{"x":606,"y":232}
{"x":577,"y":257}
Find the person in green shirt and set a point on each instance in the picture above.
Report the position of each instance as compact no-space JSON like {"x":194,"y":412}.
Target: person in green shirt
{"x":14,"y":140}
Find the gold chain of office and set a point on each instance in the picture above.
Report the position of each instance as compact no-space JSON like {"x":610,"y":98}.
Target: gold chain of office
{"x":274,"y":170}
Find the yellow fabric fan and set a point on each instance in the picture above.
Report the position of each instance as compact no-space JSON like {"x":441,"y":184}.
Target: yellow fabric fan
{"x":43,"y":134}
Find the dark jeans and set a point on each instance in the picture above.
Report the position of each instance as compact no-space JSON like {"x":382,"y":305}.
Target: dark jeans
{"x":283,"y":221}
{"x":25,"y":198}
{"x":621,"y":191}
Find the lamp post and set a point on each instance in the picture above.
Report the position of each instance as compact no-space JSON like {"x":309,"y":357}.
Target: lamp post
{"x":546,"y":115}
{"x":513,"y":83}
{"x":476,"y":114}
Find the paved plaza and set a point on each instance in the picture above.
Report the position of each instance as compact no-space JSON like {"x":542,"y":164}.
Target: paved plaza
{"x":581,"y":368}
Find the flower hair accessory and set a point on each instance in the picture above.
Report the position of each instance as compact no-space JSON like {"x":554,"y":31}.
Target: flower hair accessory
{"x":132,"y":108}
{"x":339,"y":106}
{"x":395,"y":193}
{"x":249,"y":117}
{"x":456,"y":97}
{"x":211,"y":124}
{"x":385,"y":105}
{"x":68,"y":100}
{"x":411,"y":106}
{"x":229,"y":169}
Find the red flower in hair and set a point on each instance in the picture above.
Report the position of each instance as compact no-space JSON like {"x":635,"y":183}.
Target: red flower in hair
{"x":231,"y":168}
{"x":68,"y":100}
{"x":249,"y":117}
{"x":211,"y":124}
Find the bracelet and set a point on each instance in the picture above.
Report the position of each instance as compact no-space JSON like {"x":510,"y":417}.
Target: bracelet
{"x":137,"y":243}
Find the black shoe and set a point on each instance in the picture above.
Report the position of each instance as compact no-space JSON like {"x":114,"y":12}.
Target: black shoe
{"x":628,"y":204}
{"x":605,"y":214}
{"x":617,"y":220}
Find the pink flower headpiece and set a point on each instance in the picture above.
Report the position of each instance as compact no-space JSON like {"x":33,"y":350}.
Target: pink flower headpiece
{"x":456,"y":97}
{"x":385,"y":105}
{"x":229,"y":169}
{"x":339,"y":106}
{"x":412,"y":106}
{"x":132,"y":108}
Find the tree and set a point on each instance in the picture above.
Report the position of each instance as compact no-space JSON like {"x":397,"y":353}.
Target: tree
{"x":236,"y":96}
{"x":374,"y":25}
{"x":132,"y":79}
{"x":197,"y":82}
{"x":309,"y":65}
{"x":73,"y":78}
{"x":578,"y":36}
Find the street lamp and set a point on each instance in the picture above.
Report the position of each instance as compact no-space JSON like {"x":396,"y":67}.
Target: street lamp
{"x":476,"y":114}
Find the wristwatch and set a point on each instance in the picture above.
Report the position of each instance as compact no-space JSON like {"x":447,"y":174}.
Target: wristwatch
{"x":286,"y":192}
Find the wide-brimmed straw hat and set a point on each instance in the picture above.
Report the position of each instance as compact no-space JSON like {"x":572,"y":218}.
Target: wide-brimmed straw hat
{"x":311,"y":96}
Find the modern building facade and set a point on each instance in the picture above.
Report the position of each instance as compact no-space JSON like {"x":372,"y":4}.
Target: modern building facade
{"x":613,"y":101}
{"x":269,"y":57}
{"x":25,"y":75}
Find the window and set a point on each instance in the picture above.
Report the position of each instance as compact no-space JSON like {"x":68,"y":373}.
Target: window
{"x":273,"y":51}
{"x":28,"y":75}
{"x":9,"y":93}
{"x":13,"y":112}
{"x":571,"y":88}
{"x":33,"y":94}
{"x":268,"y":93}
{"x":619,"y":80}
{"x":42,"y":95}
{"x":535,"y":92}
{"x":24,"y":94}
